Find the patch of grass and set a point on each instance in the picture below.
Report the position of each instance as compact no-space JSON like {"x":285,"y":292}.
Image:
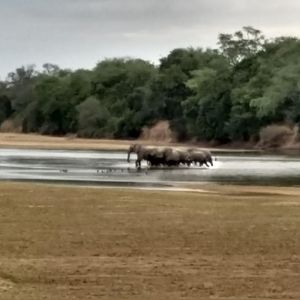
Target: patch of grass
{"x":84,"y":243}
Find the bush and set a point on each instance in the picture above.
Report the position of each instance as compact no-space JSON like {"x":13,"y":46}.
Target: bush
{"x":11,"y":125}
{"x":274,"y":136}
{"x":5,"y":108}
{"x":160,"y":132}
{"x":92,"y":118}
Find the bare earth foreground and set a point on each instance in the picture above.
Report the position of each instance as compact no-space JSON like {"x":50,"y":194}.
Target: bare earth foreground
{"x":229,"y":242}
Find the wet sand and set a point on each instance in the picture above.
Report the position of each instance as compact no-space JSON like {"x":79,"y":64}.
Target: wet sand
{"x":225,"y":242}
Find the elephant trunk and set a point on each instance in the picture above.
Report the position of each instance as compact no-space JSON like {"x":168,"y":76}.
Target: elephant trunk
{"x":128,"y":156}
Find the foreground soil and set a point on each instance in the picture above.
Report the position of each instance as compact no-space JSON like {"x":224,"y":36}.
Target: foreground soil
{"x":87,"y":243}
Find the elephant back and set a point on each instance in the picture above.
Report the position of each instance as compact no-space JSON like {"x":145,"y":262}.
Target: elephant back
{"x":199,"y":155}
{"x":184,"y":155}
{"x":206,"y":153}
{"x":172,"y":154}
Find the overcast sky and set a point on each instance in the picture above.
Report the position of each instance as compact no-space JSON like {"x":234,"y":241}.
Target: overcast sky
{"x":78,"y":33}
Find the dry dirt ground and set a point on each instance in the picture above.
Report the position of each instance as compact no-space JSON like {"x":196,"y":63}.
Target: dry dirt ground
{"x":87,"y":243}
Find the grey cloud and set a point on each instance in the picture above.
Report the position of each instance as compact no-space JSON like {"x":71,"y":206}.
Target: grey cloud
{"x":77,"y":33}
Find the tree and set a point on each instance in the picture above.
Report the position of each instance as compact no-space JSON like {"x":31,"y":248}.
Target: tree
{"x":122,"y":86}
{"x":51,"y":69}
{"x":53,"y":101}
{"x":208,"y":109}
{"x":22,"y":75}
{"x":5,"y":108}
{"x":21,"y":87}
{"x":92,"y":118}
{"x":265,"y":89}
{"x":221,"y":94}
{"x":242,"y":44}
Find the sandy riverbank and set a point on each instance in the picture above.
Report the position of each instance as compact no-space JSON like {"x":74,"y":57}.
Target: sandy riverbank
{"x":81,"y":243}
{"x":34,"y":141}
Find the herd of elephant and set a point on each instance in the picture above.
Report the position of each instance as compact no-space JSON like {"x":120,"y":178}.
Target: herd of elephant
{"x":168,"y":156}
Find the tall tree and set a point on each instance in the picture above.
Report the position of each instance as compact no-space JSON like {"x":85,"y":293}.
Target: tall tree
{"x":242,"y":44}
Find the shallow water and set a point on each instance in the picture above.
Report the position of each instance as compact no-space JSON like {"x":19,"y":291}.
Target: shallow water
{"x":111,"y":167}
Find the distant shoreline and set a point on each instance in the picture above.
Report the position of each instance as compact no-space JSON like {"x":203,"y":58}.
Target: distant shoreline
{"x":35,"y":141}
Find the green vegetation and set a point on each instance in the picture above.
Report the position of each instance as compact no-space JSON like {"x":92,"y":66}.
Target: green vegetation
{"x":225,"y":94}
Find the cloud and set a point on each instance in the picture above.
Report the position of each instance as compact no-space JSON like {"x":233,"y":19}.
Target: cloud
{"x":77,"y":33}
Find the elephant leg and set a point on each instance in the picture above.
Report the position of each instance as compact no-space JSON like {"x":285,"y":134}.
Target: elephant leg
{"x":138,"y":164}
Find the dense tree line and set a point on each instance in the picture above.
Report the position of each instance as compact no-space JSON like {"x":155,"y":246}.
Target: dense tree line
{"x":225,"y":94}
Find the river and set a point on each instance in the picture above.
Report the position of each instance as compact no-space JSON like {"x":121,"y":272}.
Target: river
{"x":111,"y":168}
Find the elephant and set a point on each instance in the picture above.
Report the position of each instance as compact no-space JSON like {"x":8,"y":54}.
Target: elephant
{"x":156,"y":157}
{"x":202,"y":156}
{"x":208,"y":156}
{"x":171,"y":157}
{"x":141,"y":152}
{"x":159,"y":156}
{"x":174,"y":157}
{"x":153,"y":156}
{"x":185,"y":157}
{"x":198,"y":157}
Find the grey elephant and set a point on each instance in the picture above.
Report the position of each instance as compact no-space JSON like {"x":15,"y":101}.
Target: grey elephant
{"x":198,"y":157}
{"x":175,"y":157}
{"x":156,"y":157}
{"x":201,"y":156}
{"x":153,"y":156}
{"x":208,"y":156}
